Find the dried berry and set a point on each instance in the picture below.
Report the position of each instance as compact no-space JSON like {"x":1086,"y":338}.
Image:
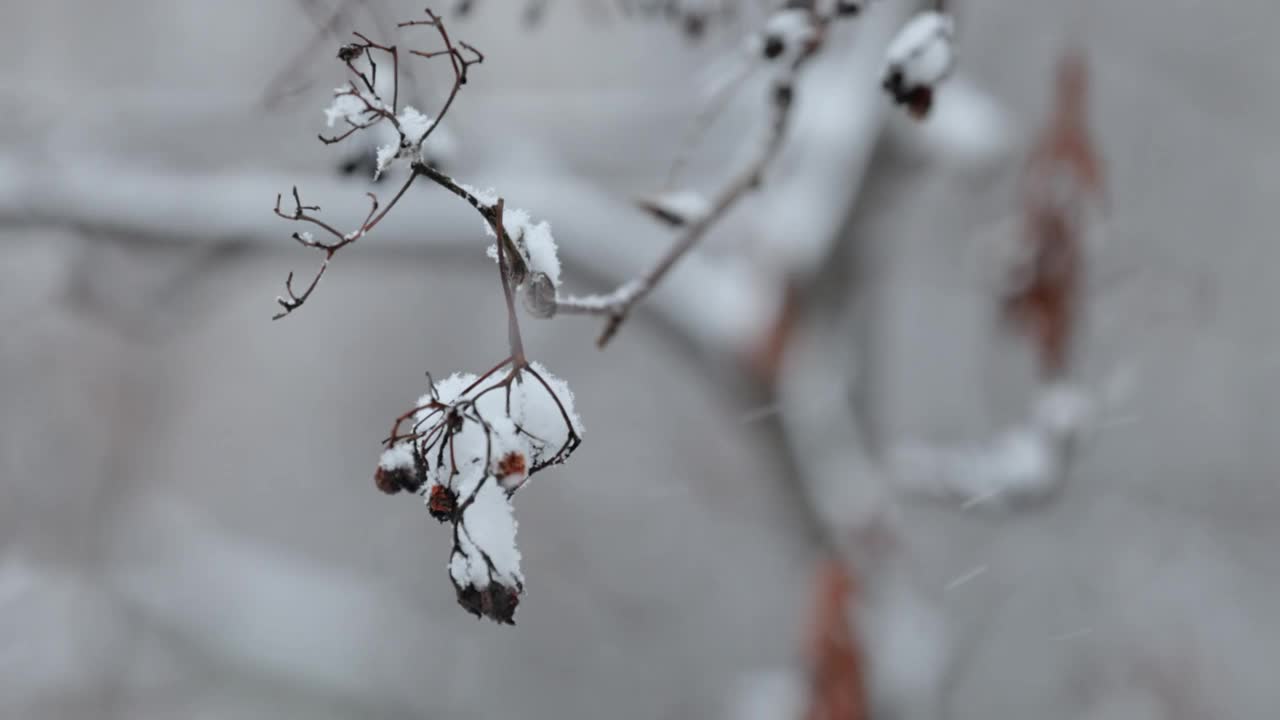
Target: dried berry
{"x":442,"y":503}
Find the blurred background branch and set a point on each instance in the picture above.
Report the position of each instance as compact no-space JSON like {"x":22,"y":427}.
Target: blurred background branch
{"x":186,"y":518}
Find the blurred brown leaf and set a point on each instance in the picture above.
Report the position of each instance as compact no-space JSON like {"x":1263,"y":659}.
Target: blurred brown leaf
{"x":838,"y":689}
{"x":1063,"y":173}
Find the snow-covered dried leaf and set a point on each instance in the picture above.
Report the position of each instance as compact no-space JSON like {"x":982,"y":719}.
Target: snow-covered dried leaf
{"x":485,"y":563}
{"x":534,"y":243}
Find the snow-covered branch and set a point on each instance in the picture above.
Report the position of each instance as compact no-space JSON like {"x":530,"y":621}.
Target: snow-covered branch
{"x":486,"y":572}
{"x":790,"y":38}
{"x":470,"y":442}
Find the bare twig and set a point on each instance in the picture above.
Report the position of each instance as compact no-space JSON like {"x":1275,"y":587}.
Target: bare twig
{"x":302,"y":213}
{"x":461,"y":56}
{"x":457,"y":59}
{"x":617,"y":306}
{"x":278,"y":88}
{"x":513,"y":323}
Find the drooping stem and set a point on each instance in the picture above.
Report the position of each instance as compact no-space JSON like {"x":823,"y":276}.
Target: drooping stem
{"x":514,"y":340}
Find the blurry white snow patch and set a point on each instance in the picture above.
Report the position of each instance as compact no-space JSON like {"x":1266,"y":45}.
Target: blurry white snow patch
{"x":786,"y":34}
{"x":58,"y":631}
{"x":1128,"y":704}
{"x":967,"y":128}
{"x":1062,"y":409}
{"x":676,"y":208}
{"x":486,"y":550}
{"x":918,"y":59}
{"x":1025,"y":461}
{"x":768,"y":695}
{"x":922,"y":50}
{"x":906,"y":646}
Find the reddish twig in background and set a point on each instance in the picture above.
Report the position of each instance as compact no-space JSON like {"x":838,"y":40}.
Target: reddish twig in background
{"x":1062,"y":174}
{"x":837,"y":679}
{"x":617,"y":306}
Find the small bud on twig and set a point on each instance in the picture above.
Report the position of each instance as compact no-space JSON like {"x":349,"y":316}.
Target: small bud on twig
{"x":540,"y":296}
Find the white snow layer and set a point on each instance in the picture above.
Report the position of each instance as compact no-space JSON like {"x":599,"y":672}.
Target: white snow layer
{"x":534,"y":240}
{"x":488,"y":529}
{"x":681,"y":206}
{"x":1024,"y":461}
{"x":922,"y":52}
{"x":346,"y":106}
{"x":397,"y":457}
{"x":793,"y":28}
{"x":413,"y":124}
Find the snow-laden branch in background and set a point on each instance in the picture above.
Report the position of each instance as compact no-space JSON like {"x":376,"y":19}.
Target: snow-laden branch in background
{"x":790,"y":38}
{"x":851,"y":504}
{"x":920,"y":57}
{"x":1026,"y":462}
{"x":692,"y":17}
{"x":903,"y":635}
{"x":1041,"y":301}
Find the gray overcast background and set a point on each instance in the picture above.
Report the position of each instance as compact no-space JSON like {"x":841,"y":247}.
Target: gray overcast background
{"x":187,"y":523}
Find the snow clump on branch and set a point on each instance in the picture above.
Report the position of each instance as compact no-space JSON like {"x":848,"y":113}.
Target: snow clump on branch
{"x":787,"y":34}
{"x":467,"y":447}
{"x":920,"y":57}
